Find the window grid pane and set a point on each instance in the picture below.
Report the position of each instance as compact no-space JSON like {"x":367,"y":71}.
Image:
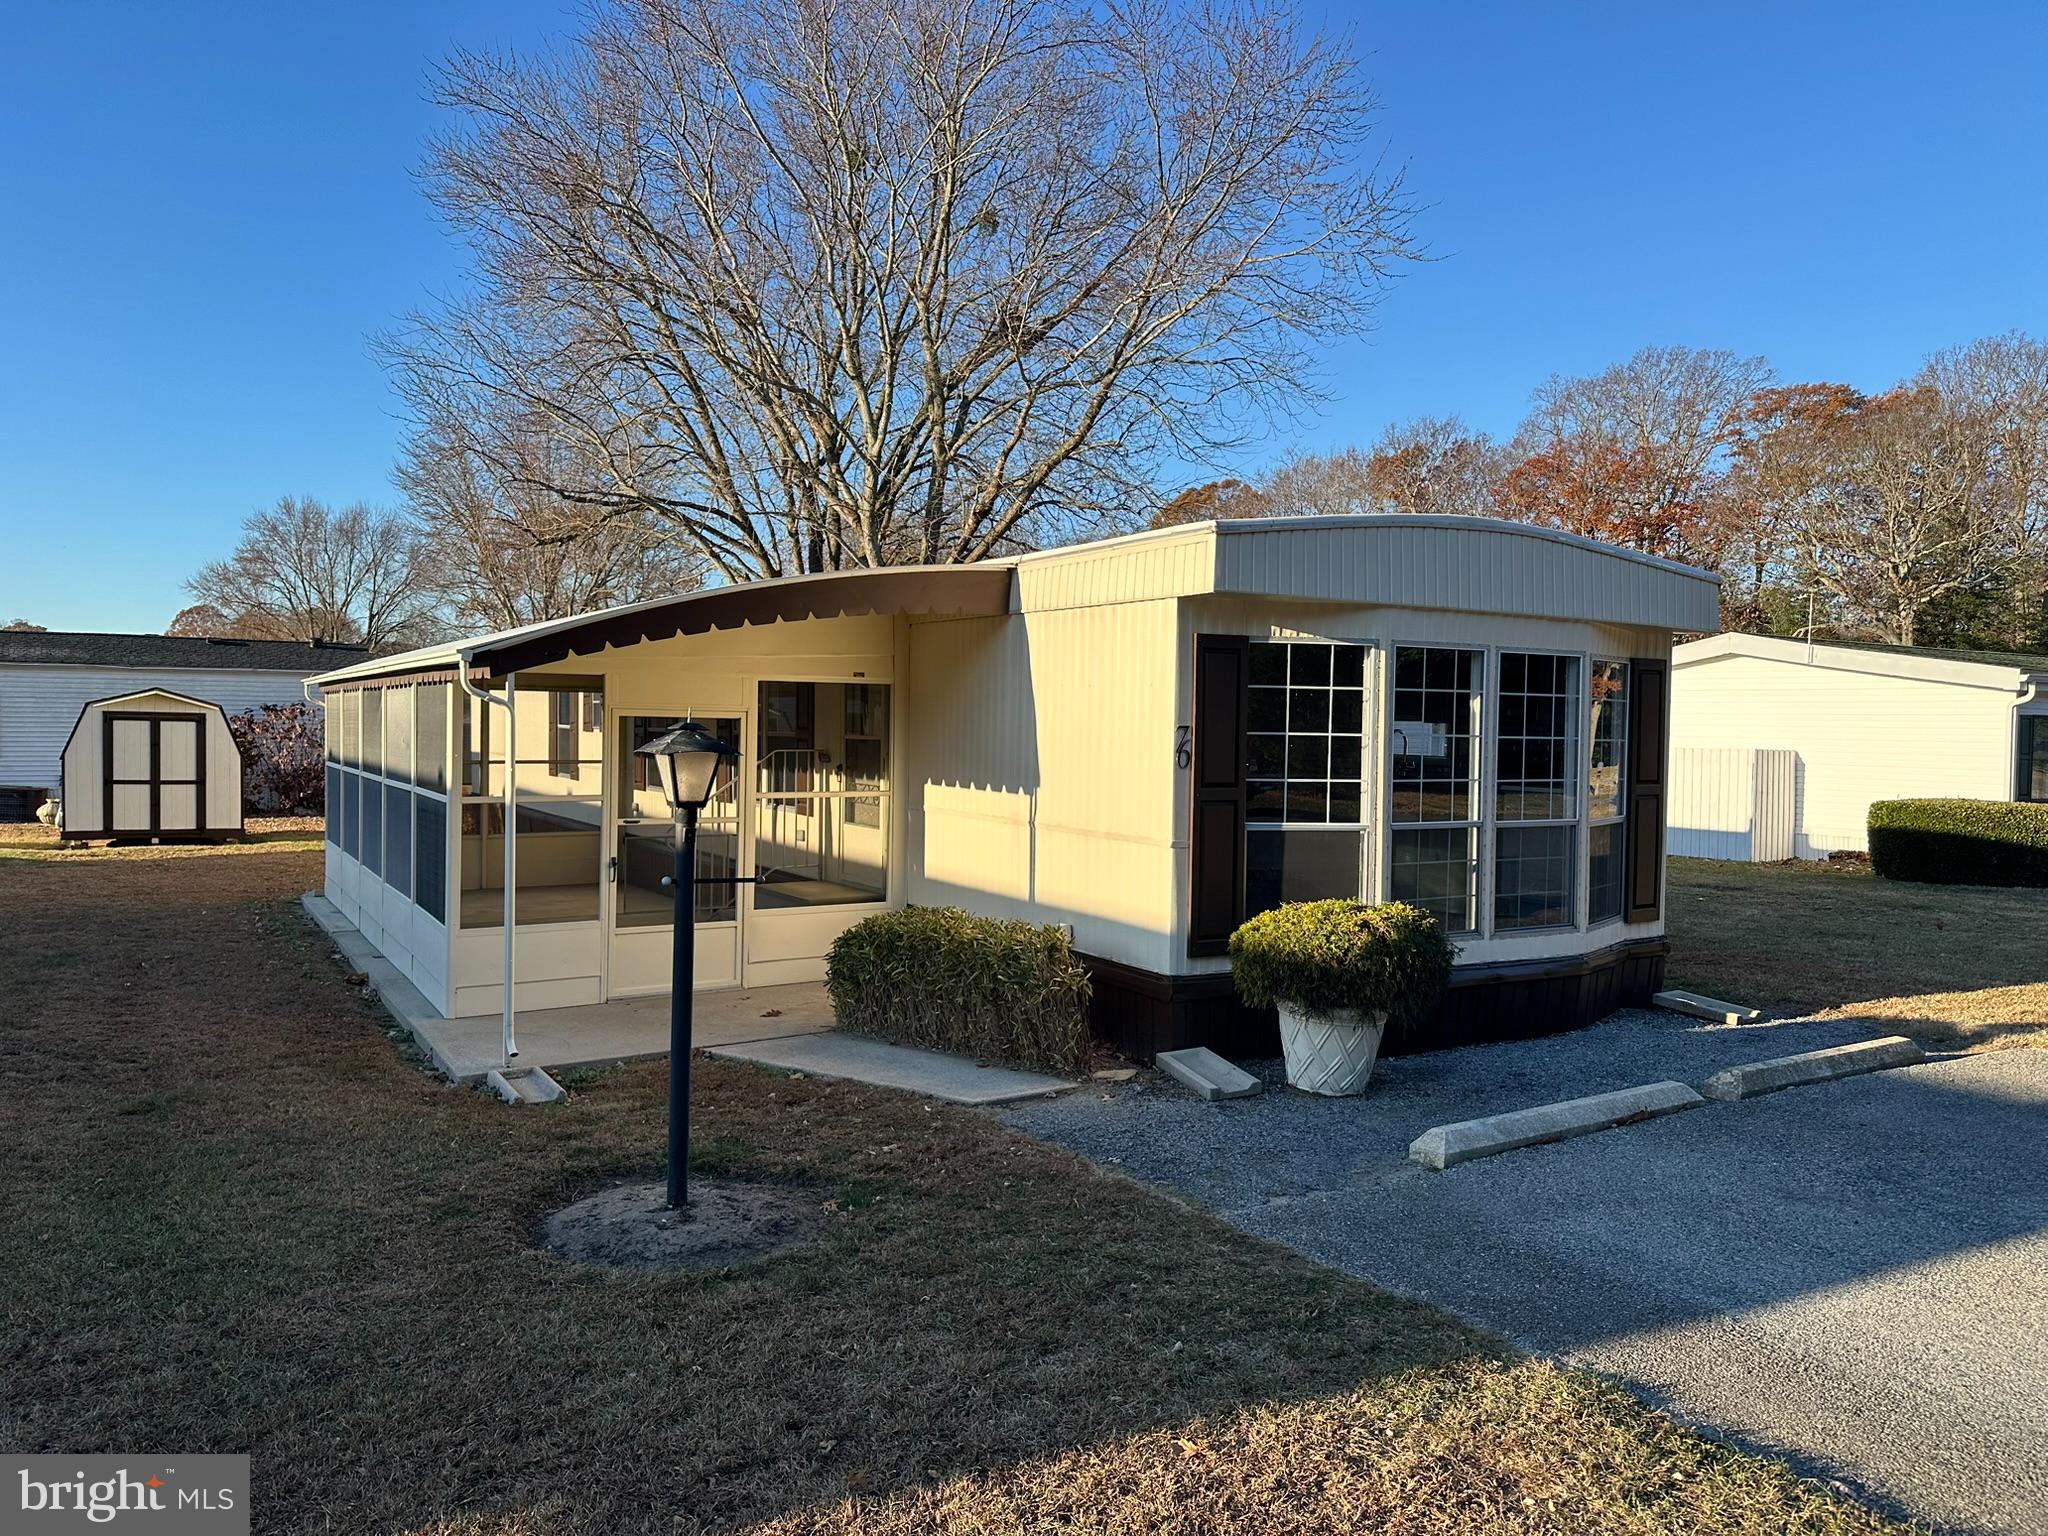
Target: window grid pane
{"x":1537,"y":746}
{"x":1435,"y":869}
{"x":1532,"y":877}
{"x":1305,"y":745}
{"x":1432,"y":744}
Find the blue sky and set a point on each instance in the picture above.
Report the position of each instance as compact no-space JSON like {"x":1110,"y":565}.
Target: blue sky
{"x":211,"y":206}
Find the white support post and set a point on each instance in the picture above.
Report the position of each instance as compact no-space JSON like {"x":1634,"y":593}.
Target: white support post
{"x":508,"y":1038}
{"x":511,"y":1042}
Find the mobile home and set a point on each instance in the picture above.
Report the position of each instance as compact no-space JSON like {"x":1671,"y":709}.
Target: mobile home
{"x":1144,"y":738}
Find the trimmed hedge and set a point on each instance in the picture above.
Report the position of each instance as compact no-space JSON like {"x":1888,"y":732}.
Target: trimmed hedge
{"x":1324,"y":955}
{"x":938,"y":977}
{"x":1960,"y":842}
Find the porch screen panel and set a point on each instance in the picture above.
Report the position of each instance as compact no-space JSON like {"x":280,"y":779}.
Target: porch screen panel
{"x":821,"y":795}
{"x":398,"y":838}
{"x":398,"y":708}
{"x":372,"y":854}
{"x":430,"y":736}
{"x":430,"y":856}
{"x":557,"y":769}
{"x":1305,"y":773}
{"x":1433,"y":765}
{"x":332,"y":806}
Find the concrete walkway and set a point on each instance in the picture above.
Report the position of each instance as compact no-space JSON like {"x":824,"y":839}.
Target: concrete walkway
{"x":955,"y":1079}
{"x":787,"y":1027}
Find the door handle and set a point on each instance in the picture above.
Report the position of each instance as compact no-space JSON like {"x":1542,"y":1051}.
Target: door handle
{"x":612,"y":869}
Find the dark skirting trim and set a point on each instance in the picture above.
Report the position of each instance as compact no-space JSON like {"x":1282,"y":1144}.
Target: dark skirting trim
{"x":1142,"y":1013}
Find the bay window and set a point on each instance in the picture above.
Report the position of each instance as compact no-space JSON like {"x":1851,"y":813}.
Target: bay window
{"x":1433,"y":770}
{"x":1305,"y":808}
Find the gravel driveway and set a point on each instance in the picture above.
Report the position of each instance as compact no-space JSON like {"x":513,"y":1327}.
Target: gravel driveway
{"x":1854,"y":1276}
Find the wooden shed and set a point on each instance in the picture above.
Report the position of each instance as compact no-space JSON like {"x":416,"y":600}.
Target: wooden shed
{"x":153,"y":764}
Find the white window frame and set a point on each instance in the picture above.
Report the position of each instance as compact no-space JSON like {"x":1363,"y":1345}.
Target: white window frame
{"x":1576,"y":715}
{"x":1477,"y":825}
{"x":1368,"y":776}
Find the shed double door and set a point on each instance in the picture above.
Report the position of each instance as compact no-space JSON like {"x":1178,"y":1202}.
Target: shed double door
{"x":155,"y":779}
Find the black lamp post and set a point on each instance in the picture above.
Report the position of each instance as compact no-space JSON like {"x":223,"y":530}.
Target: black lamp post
{"x":687,"y":760}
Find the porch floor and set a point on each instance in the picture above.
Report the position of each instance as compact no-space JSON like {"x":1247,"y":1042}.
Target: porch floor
{"x":596,"y":1034}
{"x":625,"y":1029}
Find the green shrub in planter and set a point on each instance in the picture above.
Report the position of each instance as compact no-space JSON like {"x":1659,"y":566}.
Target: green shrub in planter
{"x":1324,"y":956}
{"x":938,"y":977}
{"x":1960,"y":842}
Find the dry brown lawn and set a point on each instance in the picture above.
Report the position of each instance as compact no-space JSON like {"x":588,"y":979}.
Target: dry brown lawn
{"x":1955,"y":965}
{"x":239,"y":1218}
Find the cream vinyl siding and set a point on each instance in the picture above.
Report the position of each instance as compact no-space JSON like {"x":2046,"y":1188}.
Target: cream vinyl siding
{"x":1042,"y":779}
{"x":1859,"y":735}
{"x":40,"y":704}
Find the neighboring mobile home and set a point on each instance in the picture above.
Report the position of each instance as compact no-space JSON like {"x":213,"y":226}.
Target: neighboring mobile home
{"x":47,"y":677}
{"x":1145,"y":739}
{"x":1842,"y":724}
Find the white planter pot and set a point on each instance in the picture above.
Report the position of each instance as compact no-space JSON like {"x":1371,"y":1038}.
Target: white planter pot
{"x":47,"y":813}
{"x":1330,"y":1053}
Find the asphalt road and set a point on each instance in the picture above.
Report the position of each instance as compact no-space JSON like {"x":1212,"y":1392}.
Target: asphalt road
{"x":1853,"y":1276}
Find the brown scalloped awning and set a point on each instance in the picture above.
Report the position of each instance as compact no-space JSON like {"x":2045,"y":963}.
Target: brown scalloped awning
{"x":967,"y":591}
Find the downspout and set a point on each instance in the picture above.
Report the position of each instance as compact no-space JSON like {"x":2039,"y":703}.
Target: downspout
{"x":509,"y":704}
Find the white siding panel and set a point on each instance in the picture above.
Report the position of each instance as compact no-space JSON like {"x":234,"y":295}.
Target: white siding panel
{"x":1857,"y":736}
{"x":39,"y":705}
{"x":1736,"y":803}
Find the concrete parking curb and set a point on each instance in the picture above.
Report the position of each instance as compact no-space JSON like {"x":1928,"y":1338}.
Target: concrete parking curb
{"x":1445,"y":1146}
{"x":1207,"y":1075}
{"x":1706,"y":1008}
{"x":1758,"y":1077}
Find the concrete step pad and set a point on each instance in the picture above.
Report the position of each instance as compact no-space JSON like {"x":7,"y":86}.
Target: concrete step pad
{"x":1758,"y":1077}
{"x":1207,"y":1075}
{"x":1445,"y":1146}
{"x":1706,"y":1008}
{"x":956,"y":1079}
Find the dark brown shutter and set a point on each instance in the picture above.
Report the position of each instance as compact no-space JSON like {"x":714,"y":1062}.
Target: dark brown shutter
{"x":1647,"y":734}
{"x":1216,"y":830}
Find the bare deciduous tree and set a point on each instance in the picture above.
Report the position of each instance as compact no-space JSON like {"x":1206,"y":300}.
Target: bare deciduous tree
{"x":1436,"y":464}
{"x":874,"y":281}
{"x":303,"y":571}
{"x":501,"y":552}
{"x":2001,"y":384}
{"x":1634,"y":455}
{"x":1906,"y":514}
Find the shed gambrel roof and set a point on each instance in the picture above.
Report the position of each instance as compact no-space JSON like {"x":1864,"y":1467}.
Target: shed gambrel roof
{"x":61,"y":648}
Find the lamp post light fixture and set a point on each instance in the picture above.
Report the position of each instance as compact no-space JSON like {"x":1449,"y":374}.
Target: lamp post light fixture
{"x":688,"y":761}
